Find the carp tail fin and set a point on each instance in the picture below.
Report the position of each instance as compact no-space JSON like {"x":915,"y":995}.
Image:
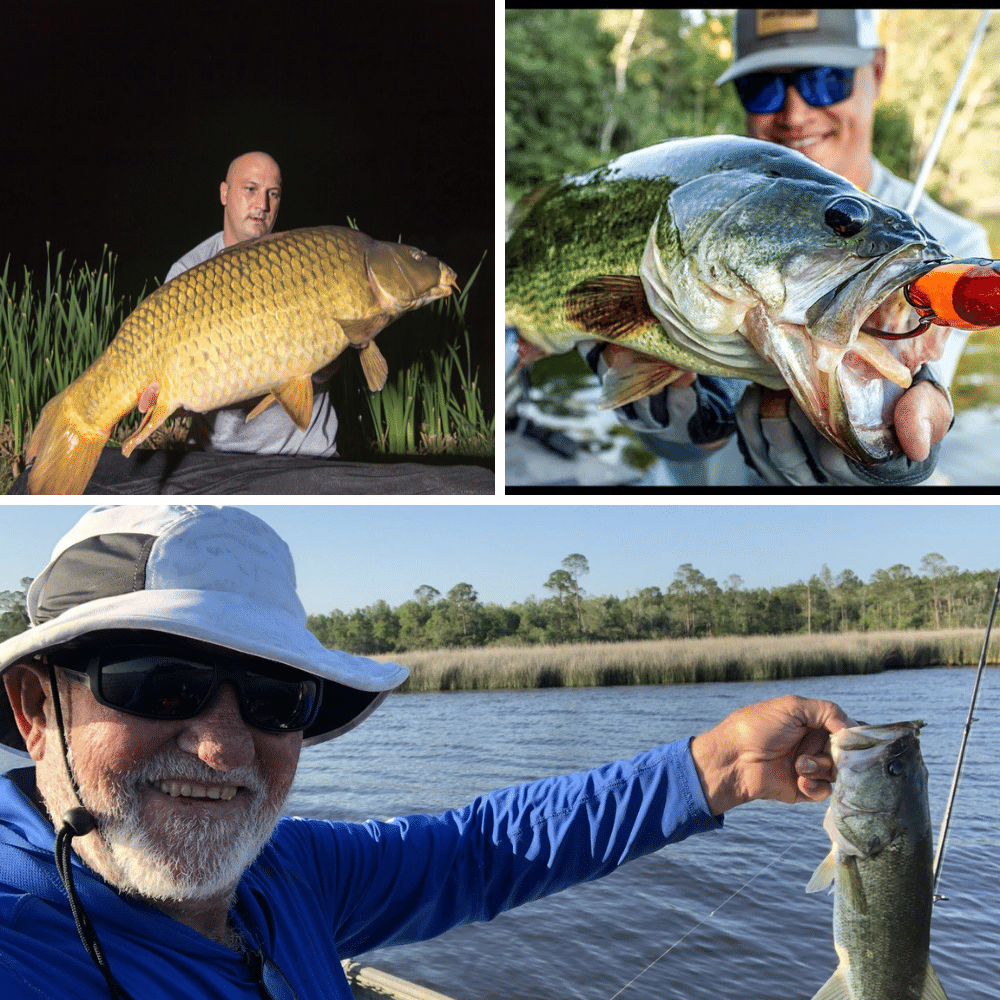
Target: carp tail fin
{"x":61,"y":454}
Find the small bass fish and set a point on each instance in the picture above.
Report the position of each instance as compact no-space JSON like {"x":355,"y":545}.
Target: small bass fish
{"x":881,"y":866}
{"x":257,"y":319}
{"x":733,"y":257}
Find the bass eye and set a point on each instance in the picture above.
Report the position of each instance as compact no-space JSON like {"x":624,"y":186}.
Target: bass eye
{"x":894,"y":768}
{"x":847,"y":216}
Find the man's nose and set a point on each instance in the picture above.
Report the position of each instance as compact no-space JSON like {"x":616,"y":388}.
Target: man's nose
{"x":219,"y":736}
{"x":795,"y":109}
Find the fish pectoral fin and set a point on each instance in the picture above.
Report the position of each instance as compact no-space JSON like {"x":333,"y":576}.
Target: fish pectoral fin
{"x":610,"y":306}
{"x":361,"y":331}
{"x":852,"y":889}
{"x":933,"y":990}
{"x":296,"y":399}
{"x":639,"y":376}
{"x":374,"y":366}
{"x":835,"y":988}
{"x":823,"y":876}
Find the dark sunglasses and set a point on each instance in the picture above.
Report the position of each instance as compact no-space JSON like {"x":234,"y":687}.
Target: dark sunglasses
{"x":818,"y":86}
{"x":155,"y":683}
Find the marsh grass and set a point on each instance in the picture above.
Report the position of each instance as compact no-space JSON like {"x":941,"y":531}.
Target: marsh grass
{"x":685,"y":661}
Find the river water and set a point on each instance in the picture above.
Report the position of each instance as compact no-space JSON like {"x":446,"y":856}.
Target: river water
{"x":771,"y":941}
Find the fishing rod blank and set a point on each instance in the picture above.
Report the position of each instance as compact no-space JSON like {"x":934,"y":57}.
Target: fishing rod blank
{"x":949,"y":109}
{"x":939,"y":855}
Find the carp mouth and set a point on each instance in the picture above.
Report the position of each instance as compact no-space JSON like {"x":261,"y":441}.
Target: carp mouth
{"x":847,"y":365}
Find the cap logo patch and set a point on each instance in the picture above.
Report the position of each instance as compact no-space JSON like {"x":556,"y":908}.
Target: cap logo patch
{"x":773,"y":22}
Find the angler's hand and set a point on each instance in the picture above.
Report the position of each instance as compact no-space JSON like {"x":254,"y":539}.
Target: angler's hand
{"x":690,"y":416}
{"x":922,"y":418}
{"x":784,"y":447}
{"x":776,"y":749}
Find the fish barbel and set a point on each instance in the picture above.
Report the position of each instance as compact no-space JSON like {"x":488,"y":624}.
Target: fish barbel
{"x":257,"y":319}
{"x":881,"y":866}
{"x":733,"y":257}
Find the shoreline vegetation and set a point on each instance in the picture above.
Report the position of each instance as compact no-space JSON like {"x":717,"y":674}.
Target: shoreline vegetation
{"x":687,"y":661}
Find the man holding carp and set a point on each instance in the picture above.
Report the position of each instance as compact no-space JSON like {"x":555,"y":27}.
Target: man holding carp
{"x":808,"y":80}
{"x":251,"y":195}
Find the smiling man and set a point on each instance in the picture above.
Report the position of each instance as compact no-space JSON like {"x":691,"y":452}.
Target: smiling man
{"x":164,"y":692}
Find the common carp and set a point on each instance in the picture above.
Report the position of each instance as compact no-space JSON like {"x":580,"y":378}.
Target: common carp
{"x":733,"y":257}
{"x":881,"y":866}
{"x":257,"y":319}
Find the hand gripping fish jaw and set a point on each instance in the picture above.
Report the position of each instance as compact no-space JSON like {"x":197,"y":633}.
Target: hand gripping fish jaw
{"x":963,"y":294}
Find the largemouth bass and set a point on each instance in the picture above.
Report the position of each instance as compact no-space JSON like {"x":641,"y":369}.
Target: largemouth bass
{"x":259,"y":318}
{"x":881,"y":866}
{"x":733,"y":257}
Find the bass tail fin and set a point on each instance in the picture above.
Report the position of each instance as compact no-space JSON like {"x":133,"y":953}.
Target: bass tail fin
{"x":836,"y":987}
{"x":63,"y":457}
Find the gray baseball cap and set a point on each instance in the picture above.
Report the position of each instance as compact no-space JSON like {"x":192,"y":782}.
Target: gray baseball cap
{"x":212,"y":576}
{"x":766,"y":39}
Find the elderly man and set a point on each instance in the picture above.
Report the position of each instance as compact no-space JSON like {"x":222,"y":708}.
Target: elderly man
{"x":808,"y":79}
{"x":164,"y":692}
{"x":251,"y":195}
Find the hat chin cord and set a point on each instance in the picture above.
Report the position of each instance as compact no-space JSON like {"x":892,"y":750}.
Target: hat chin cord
{"x":78,"y":822}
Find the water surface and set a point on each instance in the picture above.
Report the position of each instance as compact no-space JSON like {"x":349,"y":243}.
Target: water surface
{"x":772,"y":941}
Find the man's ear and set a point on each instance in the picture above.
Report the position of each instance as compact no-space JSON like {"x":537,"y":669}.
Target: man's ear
{"x":28,"y":690}
{"x":223,"y":192}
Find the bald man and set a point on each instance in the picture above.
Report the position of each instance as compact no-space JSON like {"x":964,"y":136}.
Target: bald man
{"x":250,"y":195}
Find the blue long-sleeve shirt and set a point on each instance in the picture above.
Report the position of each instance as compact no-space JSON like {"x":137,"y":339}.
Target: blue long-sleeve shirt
{"x":325,"y":889}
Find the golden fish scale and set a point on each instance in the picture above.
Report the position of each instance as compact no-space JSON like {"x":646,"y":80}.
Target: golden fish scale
{"x":236,"y":325}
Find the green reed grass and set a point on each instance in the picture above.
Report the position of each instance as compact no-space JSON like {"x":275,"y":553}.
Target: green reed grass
{"x":685,"y":661}
{"x":50,"y":331}
{"x":434,"y":405}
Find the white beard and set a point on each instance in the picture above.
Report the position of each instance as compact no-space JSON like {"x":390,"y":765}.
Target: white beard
{"x":186,"y":857}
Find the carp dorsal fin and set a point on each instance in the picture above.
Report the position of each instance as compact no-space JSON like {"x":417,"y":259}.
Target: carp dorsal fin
{"x":610,"y":306}
{"x":296,"y":399}
{"x":374,"y":366}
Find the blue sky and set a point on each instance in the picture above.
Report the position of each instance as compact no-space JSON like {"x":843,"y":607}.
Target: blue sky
{"x":348,"y":556}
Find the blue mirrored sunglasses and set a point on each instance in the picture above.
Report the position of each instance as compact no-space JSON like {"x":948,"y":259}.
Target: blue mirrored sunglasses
{"x":818,"y":86}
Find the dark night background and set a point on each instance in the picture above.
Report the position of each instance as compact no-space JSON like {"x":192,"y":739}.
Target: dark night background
{"x":121,"y":119}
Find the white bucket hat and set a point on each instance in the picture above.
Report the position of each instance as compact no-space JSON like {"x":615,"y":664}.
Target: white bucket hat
{"x":217,"y":575}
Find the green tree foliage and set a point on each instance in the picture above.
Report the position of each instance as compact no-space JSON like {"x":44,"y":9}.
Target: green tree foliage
{"x":14,"y":610}
{"x":690,"y":605}
{"x":583,"y":86}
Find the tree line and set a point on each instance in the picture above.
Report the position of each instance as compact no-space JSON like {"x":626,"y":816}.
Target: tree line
{"x":691,"y":605}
